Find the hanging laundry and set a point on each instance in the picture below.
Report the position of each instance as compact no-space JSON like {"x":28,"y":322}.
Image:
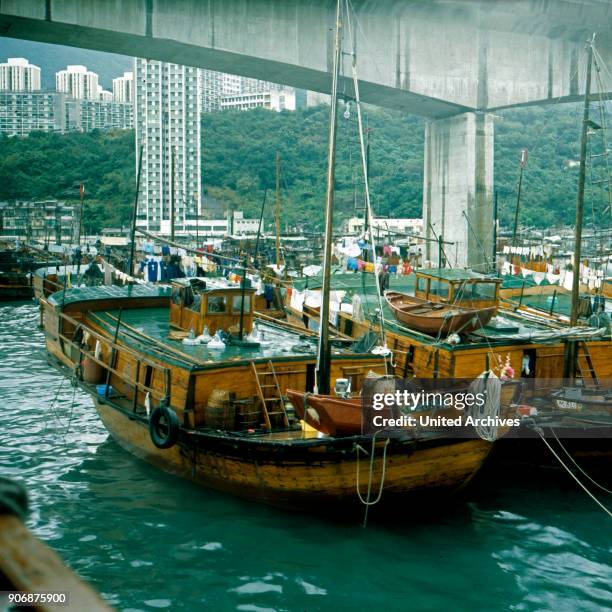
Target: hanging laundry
{"x":152,"y":270}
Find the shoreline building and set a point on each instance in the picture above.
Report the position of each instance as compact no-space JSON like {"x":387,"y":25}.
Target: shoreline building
{"x":167,"y":108}
{"x":386,"y":225}
{"x":47,"y":221}
{"x":278,"y":100}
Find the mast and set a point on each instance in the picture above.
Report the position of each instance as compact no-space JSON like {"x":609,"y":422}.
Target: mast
{"x":495,"y":230}
{"x":130,"y":269}
{"x":518,"y":195}
{"x":324,"y":355}
{"x":82,"y":197}
{"x":570,"y":354}
{"x":172,"y":194}
{"x":580,"y":195}
{"x":245,"y":266}
{"x":277,"y":210}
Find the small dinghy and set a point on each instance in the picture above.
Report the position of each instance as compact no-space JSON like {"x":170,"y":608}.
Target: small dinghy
{"x":435,"y":319}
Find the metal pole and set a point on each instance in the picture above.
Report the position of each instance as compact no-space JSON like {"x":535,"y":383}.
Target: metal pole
{"x":324,"y":354}
{"x":172,"y":194}
{"x":278,"y":210}
{"x":130,"y":269}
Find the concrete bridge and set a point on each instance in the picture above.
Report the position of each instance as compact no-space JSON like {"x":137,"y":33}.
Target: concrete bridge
{"x":453,"y":62}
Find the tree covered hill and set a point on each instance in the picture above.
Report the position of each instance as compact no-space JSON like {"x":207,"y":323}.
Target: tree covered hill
{"x":238,"y":161}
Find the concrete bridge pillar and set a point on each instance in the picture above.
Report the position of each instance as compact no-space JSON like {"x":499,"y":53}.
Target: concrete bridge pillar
{"x":458,"y":190}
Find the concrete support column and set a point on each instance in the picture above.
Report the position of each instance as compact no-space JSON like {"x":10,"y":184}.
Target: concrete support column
{"x":458,"y":190}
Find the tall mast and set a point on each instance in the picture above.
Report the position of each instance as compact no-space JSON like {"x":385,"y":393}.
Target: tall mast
{"x":569,"y":363}
{"x":324,"y":355}
{"x":518,"y":194}
{"x":581,"y":180}
{"x":130,"y":269}
{"x":278,"y":210}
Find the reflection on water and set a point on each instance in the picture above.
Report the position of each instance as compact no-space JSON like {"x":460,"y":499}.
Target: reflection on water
{"x":148,"y":541}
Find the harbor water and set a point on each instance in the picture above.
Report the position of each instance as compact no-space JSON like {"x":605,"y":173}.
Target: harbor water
{"x":148,"y":541}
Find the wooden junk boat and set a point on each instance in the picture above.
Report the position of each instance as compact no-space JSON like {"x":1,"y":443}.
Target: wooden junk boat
{"x":218,"y":416}
{"x":532,"y":347}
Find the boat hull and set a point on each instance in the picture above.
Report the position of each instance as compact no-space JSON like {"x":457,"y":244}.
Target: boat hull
{"x":319,"y":476}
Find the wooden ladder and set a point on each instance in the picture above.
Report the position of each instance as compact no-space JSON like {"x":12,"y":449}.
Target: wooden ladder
{"x":585,"y":366}
{"x":271,"y":405}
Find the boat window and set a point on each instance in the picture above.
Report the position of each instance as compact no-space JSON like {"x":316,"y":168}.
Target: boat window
{"x":216,"y":304}
{"x":438,"y":288}
{"x":188,"y":297}
{"x":421,"y":283}
{"x":237,"y":301}
{"x":483,"y":291}
{"x":177,"y":297}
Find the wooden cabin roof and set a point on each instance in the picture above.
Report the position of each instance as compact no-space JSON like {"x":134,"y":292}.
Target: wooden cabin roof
{"x":87,"y":294}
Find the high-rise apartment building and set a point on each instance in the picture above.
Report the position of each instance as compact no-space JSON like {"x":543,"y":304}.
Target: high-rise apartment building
{"x":123,"y":88}
{"x":22,"y":112}
{"x":211,"y":90}
{"x":78,"y":82}
{"x":17,"y":74}
{"x":167,"y":120}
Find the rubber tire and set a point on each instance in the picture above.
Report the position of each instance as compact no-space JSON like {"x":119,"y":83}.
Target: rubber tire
{"x":160,"y":439}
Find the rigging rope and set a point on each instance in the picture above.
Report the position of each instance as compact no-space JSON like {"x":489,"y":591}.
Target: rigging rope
{"x":576,"y":464}
{"x":551,"y":449}
{"x":365,"y":173}
{"x":366,"y":502}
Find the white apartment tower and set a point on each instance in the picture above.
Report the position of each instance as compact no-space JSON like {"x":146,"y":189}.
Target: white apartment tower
{"x":167,"y":120}
{"x":123,"y":88}
{"x":77,"y":82}
{"x":17,"y":74}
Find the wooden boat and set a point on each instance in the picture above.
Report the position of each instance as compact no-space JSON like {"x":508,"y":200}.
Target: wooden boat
{"x":338,"y":416}
{"x":219,"y":417}
{"x":29,"y":568}
{"x":435,"y":318}
{"x":16,"y":268}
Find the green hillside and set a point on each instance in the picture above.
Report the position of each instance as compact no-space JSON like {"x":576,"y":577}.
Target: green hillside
{"x":238,"y":164}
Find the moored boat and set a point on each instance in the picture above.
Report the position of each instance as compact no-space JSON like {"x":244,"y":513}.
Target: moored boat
{"x":433,"y":318}
{"x":218,"y":416}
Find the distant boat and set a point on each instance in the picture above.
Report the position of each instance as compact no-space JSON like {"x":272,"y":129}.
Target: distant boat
{"x":436,"y":318}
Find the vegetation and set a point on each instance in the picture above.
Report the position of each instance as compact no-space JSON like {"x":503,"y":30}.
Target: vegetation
{"x":238,"y":164}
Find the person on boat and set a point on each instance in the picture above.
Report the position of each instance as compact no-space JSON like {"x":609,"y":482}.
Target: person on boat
{"x":600,"y":319}
{"x":383,"y":279}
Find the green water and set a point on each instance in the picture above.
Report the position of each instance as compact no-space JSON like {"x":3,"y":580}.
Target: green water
{"x":146,"y":541}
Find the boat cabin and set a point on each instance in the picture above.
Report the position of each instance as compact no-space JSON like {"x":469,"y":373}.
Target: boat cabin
{"x":209,"y":302}
{"x":459,"y":287}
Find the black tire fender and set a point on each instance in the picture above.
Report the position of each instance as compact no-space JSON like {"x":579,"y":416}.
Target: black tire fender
{"x":164,"y":427}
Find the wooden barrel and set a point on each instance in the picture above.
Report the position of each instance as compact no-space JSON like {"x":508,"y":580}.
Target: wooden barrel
{"x":220,"y":413}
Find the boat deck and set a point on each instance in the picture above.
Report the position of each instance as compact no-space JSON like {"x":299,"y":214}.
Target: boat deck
{"x":148,"y":329}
